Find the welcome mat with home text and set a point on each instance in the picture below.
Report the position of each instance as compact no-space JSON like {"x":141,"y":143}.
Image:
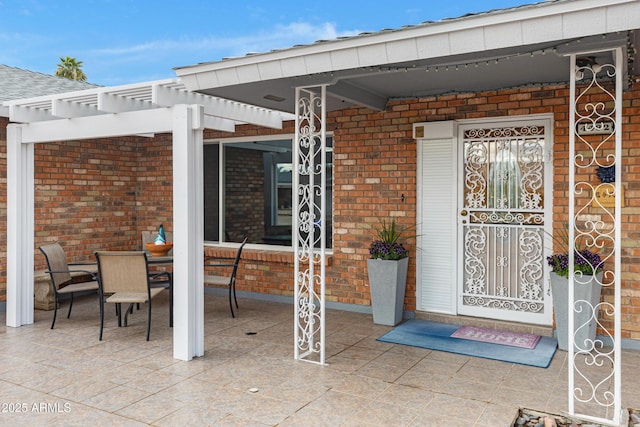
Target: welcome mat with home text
{"x":494,"y":336}
{"x":437,"y":336}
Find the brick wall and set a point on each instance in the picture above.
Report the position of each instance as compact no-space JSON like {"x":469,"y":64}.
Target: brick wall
{"x":111,"y":190}
{"x":85,"y":196}
{"x":154,"y":185}
{"x":244,"y":192}
{"x":269,"y":272}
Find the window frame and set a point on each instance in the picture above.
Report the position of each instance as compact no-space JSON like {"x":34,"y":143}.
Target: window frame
{"x":222,"y":142}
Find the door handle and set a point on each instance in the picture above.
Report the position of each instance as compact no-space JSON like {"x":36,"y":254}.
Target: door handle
{"x":463,"y":212}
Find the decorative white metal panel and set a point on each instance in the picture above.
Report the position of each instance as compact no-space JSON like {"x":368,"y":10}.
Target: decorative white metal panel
{"x":437,"y":226}
{"x":309,"y":224}
{"x":595,"y":148}
{"x":502,"y":218}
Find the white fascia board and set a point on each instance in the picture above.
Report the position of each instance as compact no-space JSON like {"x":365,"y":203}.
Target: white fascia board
{"x":341,"y":59}
{"x":295,"y":65}
{"x":228,"y":76}
{"x":223,"y":73}
{"x":4,"y":111}
{"x":402,"y":50}
{"x":467,"y":40}
{"x":433,"y":46}
{"x":503,"y":35}
{"x":539,"y":30}
{"x":316,"y":63}
{"x":270,"y":70}
{"x":575,"y":24}
{"x":102,"y":126}
{"x":621,"y":18}
{"x":252,"y":72}
{"x":372,"y":55}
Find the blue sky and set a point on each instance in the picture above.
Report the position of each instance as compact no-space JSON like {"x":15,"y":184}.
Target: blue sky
{"x":129,"y":41}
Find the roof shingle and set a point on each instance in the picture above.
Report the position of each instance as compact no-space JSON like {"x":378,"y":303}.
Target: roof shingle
{"x":16,"y":83}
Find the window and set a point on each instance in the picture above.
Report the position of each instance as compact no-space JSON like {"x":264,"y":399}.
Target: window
{"x":248,"y":191}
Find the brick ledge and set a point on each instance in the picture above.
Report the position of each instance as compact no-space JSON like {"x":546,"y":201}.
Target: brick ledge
{"x":263,"y":255}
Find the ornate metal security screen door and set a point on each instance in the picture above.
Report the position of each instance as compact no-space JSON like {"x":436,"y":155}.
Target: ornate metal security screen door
{"x":502,"y":221}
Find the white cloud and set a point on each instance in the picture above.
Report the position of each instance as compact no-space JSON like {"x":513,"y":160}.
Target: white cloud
{"x":105,"y":64}
{"x":215,"y":47}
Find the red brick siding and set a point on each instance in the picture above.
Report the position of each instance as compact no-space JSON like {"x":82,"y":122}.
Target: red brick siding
{"x":154,"y":185}
{"x":85,"y":195}
{"x":244,"y":192}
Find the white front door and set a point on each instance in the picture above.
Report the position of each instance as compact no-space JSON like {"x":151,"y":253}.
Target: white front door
{"x":501,"y":220}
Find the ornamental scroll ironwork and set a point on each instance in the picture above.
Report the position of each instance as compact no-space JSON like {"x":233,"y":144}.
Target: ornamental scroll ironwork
{"x":503,"y":201}
{"x":309,"y":224}
{"x":499,"y":276}
{"x":595,"y":143}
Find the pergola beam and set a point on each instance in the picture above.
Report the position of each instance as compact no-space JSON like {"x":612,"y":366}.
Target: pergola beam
{"x":219,"y":114}
{"x":114,"y":103}
{"x":100,"y":126}
{"x":223,"y":108}
{"x":24,"y":114}
{"x":68,"y":109}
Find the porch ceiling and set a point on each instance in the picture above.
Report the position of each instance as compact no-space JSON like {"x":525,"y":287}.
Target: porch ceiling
{"x":219,"y":114}
{"x":523,"y":46}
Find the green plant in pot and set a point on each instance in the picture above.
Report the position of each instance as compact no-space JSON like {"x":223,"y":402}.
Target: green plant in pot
{"x":587,"y":267}
{"x":387,"y":269}
{"x":386,"y":246}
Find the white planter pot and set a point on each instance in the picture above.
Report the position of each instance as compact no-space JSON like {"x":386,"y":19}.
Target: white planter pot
{"x":585,"y":321}
{"x":387,"y":283}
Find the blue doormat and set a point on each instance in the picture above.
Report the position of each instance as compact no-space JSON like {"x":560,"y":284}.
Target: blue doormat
{"x":437,"y":336}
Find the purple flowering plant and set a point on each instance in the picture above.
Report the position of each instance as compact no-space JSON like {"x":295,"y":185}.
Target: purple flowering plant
{"x":585,"y":261}
{"x":386,"y":245}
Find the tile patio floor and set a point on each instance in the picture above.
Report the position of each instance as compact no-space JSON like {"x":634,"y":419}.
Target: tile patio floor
{"x":125,"y":380}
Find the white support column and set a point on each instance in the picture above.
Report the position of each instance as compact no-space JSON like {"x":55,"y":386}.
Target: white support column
{"x":20,"y":161}
{"x":309,"y":224}
{"x":188,"y":235}
{"x":595,"y":141}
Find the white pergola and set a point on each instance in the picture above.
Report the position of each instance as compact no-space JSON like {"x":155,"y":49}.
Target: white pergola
{"x":137,"y":109}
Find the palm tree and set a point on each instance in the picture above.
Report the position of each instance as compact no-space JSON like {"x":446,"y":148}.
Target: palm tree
{"x":70,"y":68}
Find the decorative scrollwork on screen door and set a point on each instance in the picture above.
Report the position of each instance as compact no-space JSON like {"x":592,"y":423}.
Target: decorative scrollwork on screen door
{"x":504,"y":218}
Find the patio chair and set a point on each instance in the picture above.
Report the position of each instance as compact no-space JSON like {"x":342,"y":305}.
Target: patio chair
{"x":61,"y":279}
{"x":124,"y":277}
{"x":163,"y":280}
{"x":225,"y":280}
{"x":160,"y":278}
